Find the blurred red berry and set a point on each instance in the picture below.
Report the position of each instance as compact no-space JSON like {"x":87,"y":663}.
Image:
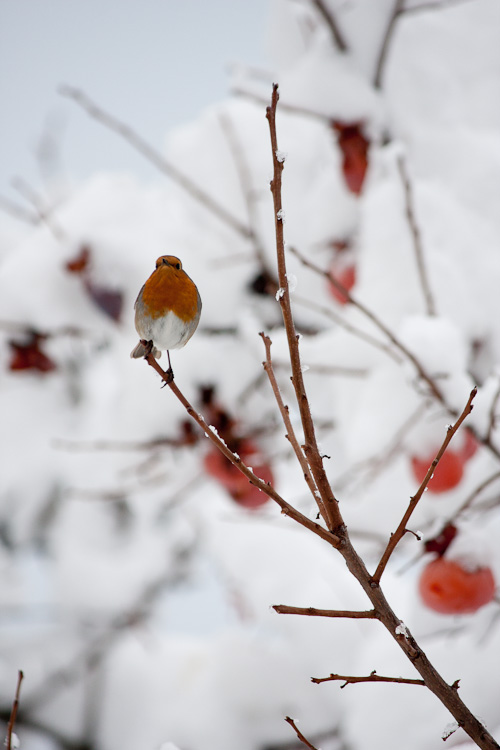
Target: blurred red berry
{"x":354,"y":146}
{"x":448,"y":588}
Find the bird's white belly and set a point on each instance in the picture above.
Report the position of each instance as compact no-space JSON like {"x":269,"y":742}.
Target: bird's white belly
{"x":167,"y":332}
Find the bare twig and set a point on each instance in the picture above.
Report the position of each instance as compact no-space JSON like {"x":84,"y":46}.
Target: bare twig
{"x":96,"y":649}
{"x":299,"y":734}
{"x":290,"y":108}
{"x":434,"y":389}
{"x":492,"y":418}
{"x":472,"y":496}
{"x":398,"y":11}
{"x":436,"y":5}
{"x":372,"y":677}
{"x":19,"y":212}
{"x":343,"y":323}
{"x":140,"y":145}
{"x":290,"y":432}
{"x":384,"y":47}
{"x":331,"y":22}
{"x":401,"y":530}
{"x":45,"y":214}
{"x":417,"y":238}
{"x":286,"y":508}
{"x":244,"y":176}
{"x":284,"y":609}
{"x":366,"y":470}
{"x":313,"y":456}
{"x":377,"y":322}
{"x":13,"y":713}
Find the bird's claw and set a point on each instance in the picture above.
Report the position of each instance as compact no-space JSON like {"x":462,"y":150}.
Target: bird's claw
{"x":168,"y":378}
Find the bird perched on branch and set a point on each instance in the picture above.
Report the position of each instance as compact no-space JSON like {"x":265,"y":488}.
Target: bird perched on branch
{"x":167,"y":310}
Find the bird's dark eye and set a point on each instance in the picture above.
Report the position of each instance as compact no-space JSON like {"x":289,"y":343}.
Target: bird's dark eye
{"x":178,"y":266}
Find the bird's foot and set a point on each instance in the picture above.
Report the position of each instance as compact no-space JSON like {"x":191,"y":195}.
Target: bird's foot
{"x":168,"y":377}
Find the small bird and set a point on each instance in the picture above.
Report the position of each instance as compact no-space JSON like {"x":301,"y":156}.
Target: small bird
{"x":167,"y":310}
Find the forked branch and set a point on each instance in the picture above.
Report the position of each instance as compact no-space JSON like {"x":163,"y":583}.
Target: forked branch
{"x":372,"y":677}
{"x":402,"y":528}
{"x":312,"y":453}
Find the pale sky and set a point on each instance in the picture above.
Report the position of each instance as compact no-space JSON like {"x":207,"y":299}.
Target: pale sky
{"x":153,"y":63}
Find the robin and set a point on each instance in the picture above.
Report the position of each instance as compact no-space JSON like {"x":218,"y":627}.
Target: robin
{"x":167,"y":310}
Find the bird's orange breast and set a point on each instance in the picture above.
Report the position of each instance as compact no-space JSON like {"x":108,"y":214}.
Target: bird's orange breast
{"x":169,"y":289}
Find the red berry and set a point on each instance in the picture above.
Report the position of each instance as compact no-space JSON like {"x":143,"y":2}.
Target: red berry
{"x":446,"y":587}
{"x":354,"y":147}
{"x":442,"y":541}
{"x":447,"y":474}
{"x":345,"y":276}
{"x":241,"y":490}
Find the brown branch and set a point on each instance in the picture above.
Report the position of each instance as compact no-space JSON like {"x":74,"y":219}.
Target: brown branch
{"x":312,"y":453}
{"x":299,"y":734}
{"x":153,"y":156}
{"x":492,"y":418}
{"x":286,"y":508}
{"x":437,"y":5}
{"x":384,"y":47}
{"x":377,"y":322}
{"x":472,"y":496}
{"x":342,"y":322}
{"x":433,"y":680}
{"x":290,"y":432}
{"x":401,"y":530}
{"x":417,"y":238}
{"x":434,"y":389}
{"x":284,"y":609}
{"x":13,"y":713}
{"x":372,"y":677}
{"x":244,"y":177}
{"x":331,"y":22}
{"x":284,"y":106}
{"x":366,"y":470}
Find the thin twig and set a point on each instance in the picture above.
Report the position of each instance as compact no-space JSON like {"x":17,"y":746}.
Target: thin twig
{"x":401,"y":530}
{"x":290,"y":432}
{"x":140,"y":145}
{"x":286,"y":508}
{"x":492,"y":418}
{"x":284,"y":106}
{"x":372,"y":677}
{"x":13,"y":713}
{"x":284,"y":609}
{"x":244,"y":176}
{"x":330,"y":20}
{"x":472,"y":496}
{"x":434,"y":389}
{"x":366,"y":470}
{"x":417,"y":238}
{"x":312,"y":453}
{"x":299,"y":734}
{"x":19,"y":212}
{"x":384,"y":47}
{"x":376,"y":321}
{"x":343,"y":323}
{"x":45,"y":214}
{"x":436,"y":5}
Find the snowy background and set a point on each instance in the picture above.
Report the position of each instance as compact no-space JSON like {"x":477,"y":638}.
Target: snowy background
{"x":135,"y":592}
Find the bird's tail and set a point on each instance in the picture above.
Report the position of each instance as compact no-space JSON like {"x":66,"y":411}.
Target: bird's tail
{"x":141,"y":351}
